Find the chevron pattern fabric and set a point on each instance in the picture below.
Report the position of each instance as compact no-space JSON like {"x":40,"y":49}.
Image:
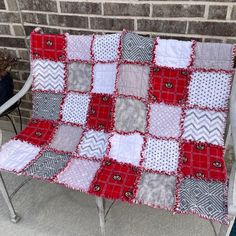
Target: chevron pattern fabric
{"x":48,"y":75}
{"x":204,"y":126}
{"x":94,"y":144}
{"x":130,"y":118}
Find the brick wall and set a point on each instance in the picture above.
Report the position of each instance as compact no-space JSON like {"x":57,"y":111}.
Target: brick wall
{"x":213,"y":20}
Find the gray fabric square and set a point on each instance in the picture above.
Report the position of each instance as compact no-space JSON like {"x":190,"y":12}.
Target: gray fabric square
{"x":203,"y":197}
{"x":137,"y":48}
{"x":67,"y":138}
{"x":213,"y":56}
{"x":157,"y":190}
{"x":133,"y":80}
{"x":46,"y":105}
{"x":48,"y":165}
{"x":80,"y":76}
{"x":130,"y":115}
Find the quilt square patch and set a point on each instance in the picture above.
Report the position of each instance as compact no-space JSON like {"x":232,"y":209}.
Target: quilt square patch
{"x":201,"y":160}
{"x":46,"y":105}
{"x":157,"y":190}
{"x":80,"y":77}
{"x":105,"y":47}
{"x":130,"y":115}
{"x":48,"y":46}
{"x":204,"y":198}
{"x":204,"y":126}
{"x":100,"y":115}
{"x":48,"y":165}
{"x":75,"y":108}
{"x":168,"y":85}
{"x":15,"y":155}
{"x":137,"y":48}
{"x":66,"y":138}
{"x":133,"y":80}
{"x":104,"y":78}
{"x":165,"y":120}
{"x":79,"y":47}
{"x":115,"y":181}
{"x":93,"y":144}
{"x":78,"y":174}
{"x":213,"y":56}
{"x":161,"y":155}
{"x":48,"y":75}
{"x":209,"y":89}
{"x":37,"y":132}
{"x":173,"y":53}
{"x":126,"y":148}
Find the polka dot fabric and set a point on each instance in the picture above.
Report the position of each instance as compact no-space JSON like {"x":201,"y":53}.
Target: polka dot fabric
{"x":161,"y":155}
{"x":105,"y":47}
{"x":209,"y":89}
{"x":130,"y":118}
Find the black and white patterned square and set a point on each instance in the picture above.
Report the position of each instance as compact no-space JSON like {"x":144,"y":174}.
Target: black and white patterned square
{"x":48,"y":165}
{"x":137,"y":48}
{"x":46,"y":105}
{"x":203,"y":197}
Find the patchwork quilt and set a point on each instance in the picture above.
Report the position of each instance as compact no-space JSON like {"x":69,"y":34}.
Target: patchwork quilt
{"x":129,"y":118}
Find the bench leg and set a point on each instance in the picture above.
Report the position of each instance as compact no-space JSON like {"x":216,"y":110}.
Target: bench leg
{"x":13,"y":216}
{"x":101,"y":212}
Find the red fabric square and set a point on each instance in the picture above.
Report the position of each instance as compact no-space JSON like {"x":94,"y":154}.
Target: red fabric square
{"x":115,"y":181}
{"x":48,"y":46}
{"x":168,"y":85}
{"x":37,"y":132}
{"x":202,"y":160}
{"x":100,"y":115}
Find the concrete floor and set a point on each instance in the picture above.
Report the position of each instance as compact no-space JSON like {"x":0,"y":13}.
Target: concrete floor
{"x":49,"y":209}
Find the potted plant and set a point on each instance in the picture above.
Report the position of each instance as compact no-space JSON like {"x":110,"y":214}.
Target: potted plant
{"x":6,"y":81}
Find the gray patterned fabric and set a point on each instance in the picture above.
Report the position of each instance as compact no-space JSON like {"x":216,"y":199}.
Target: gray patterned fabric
{"x":203,"y":197}
{"x":213,"y":56}
{"x":67,"y":138}
{"x":46,"y":105}
{"x":80,"y":76}
{"x":157,"y":190}
{"x":130,"y":115}
{"x":48,"y":165}
{"x":133,"y":80}
{"x":137,"y":48}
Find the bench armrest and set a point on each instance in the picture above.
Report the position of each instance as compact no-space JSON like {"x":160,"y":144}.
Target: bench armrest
{"x":232,"y":191}
{"x":18,"y":96}
{"x":232,"y":180}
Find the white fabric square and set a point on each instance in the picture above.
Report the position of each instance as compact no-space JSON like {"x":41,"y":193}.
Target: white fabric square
{"x":79,"y":174}
{"x":209,"y":89}
{"x":93,"y":144}
{"x":204,"y":126}
{"x":173,"y":53}
{"x":126,"y":148}
{"x":165,"y":120}
{"x":105,"y":47}
{"x":15,"y":155}
{"x":75,"y":108}
{"x":79,"y":47}
{"x":104,"y":78}
{"x":161,"y":155}
{"x":48,"y":75}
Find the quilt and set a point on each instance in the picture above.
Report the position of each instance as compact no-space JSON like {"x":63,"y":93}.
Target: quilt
{"x":130,"y":118}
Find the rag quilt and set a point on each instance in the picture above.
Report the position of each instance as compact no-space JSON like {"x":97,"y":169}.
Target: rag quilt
{"x":130,"y":118}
